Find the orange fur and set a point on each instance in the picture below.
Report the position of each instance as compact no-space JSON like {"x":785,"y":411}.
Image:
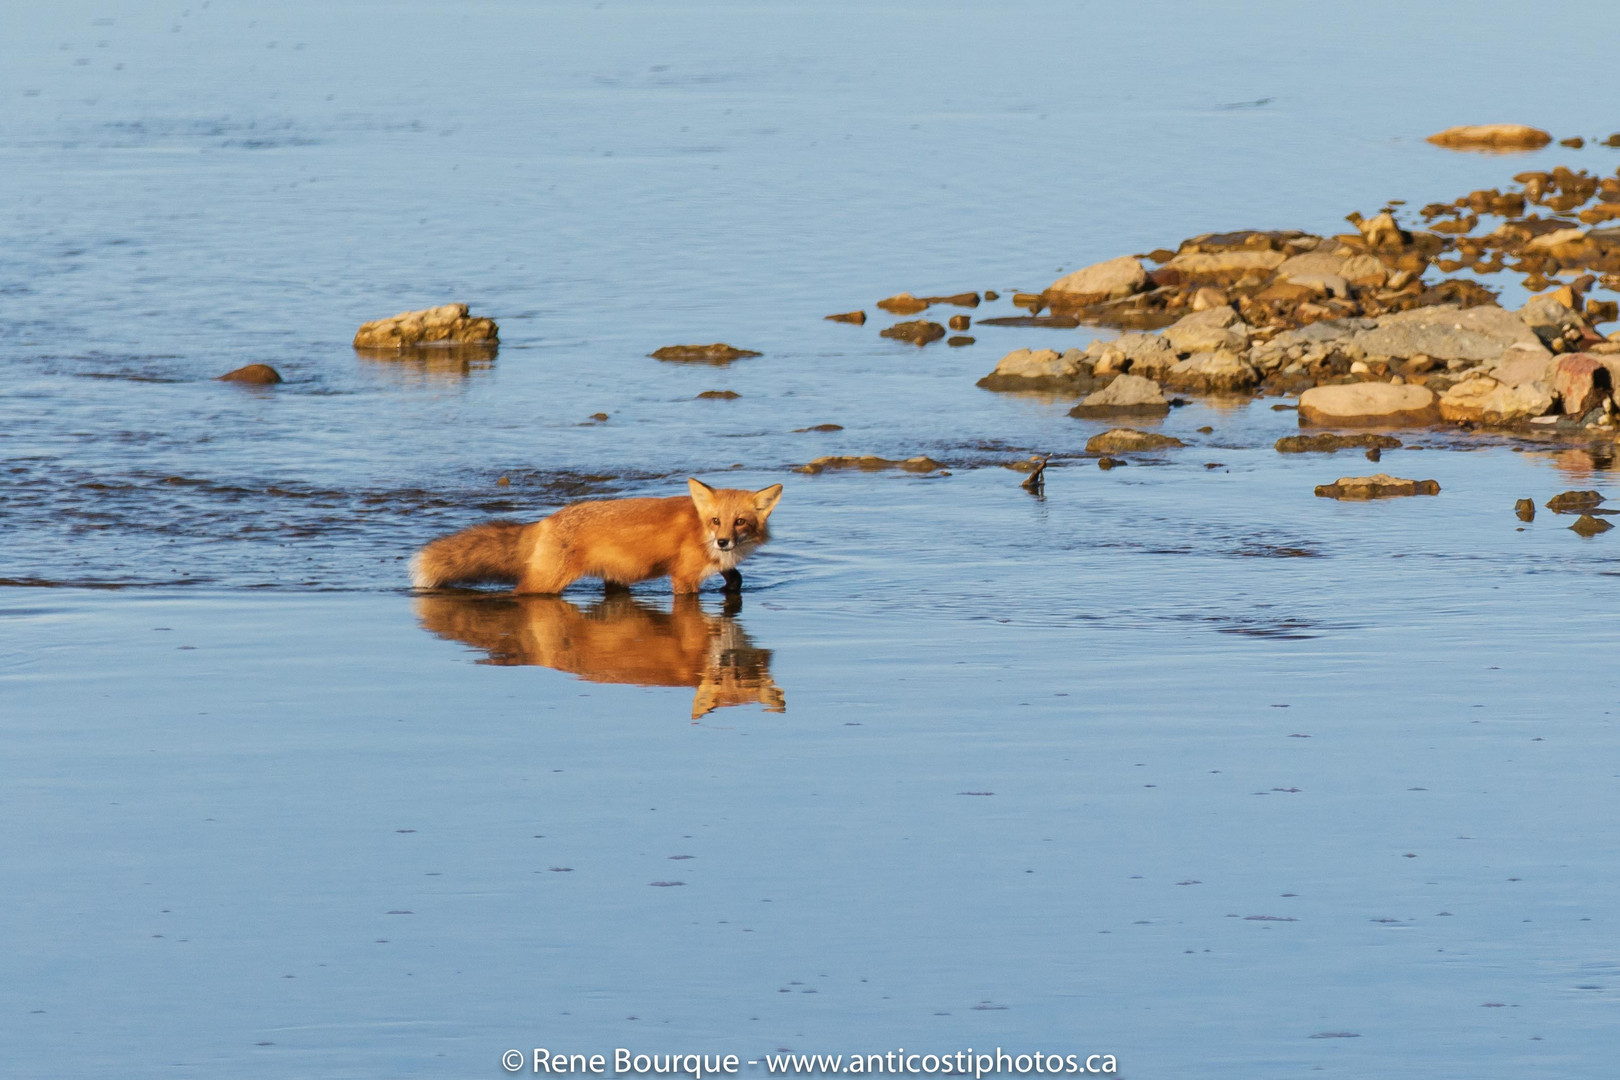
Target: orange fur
{"x":622,"y":541}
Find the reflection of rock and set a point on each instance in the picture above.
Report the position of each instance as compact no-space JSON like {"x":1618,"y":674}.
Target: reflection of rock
{"x":447,"y":324}
{"x":1491,"y":137}
{"x":1129,"y":440}
{"x":717,"y":354}
{"x":619,"y":640}
{"x":1377,"y":486}
{"x":253,"y":375}
{"x":1329,"y":443}
{"x":434,"y":362}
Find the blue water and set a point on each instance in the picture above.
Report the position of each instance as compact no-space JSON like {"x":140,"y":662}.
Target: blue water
{"x":1035,"y":784}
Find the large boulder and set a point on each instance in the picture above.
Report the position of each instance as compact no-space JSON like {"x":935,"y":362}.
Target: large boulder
{"x":1040,"y":369}
{"x":1368,"y":404}
{"x":447,"y":324}
{"x":1126,"y":395}
{"x":1216,"y":372}
{"x":1581,"y":383}
{"x":1478,"y":335}
{"x":1207,"y":331}
{"x":1101,"y":281}
{"x":1491,"y":137}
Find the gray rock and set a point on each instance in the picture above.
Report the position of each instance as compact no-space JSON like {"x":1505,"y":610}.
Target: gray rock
{"x":1482,"y":334}
{"x":1126,"y":395}
{"x":1210,"y":330}
{"x":1549,"y":319}
{"x":1041,"y":369}
{"x":1213,"y":372}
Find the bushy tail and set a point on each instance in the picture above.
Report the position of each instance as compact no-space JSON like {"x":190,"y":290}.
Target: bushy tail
{"x":487,"y":553}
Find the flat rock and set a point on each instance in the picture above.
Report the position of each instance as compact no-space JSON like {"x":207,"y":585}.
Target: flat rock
{"x":903,"y":304}
{"x":717,"y":354}
{"x":1466,"y":400}
{"x":1129,"y":440}
{"x":253,"y":375}
{"x":1510,"y":404}
{"x":1480,"y":335}
{"x":1328,"y":443}
{"x":1368,"y":404}
{"x":1225,"y":267}
{"x":719,"y":395}
{"x":1566,"y":502}
{"x":1149,"y":355}
{"x":856,"y":317}
{"x":448,"y":324}
{"x":1109,"y":280}
{"x":1126,"y":395}
{"x":1587,"y":525}
{"x":1491,"y":137}
{"x":870,"y":463}
{"x":1377,"y":486}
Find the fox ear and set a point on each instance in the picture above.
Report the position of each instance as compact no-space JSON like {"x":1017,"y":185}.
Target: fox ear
{"x":765,"y":500}
{"x":702,"y":496}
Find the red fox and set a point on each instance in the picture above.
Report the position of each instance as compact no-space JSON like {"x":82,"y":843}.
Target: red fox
{"x":621,"y":541}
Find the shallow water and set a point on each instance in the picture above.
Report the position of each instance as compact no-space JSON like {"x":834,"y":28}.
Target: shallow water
{"x":1178,"y":763}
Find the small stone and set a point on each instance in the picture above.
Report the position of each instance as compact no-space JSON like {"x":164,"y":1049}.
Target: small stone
{"x":1128,"y":440}
{"x":1126,"y":395}
{"x":1208,"y":297}
{"x":964,"y":299}
{"x":1574,"y":142}
{"x":1525,"y":509}
{"x":991,"y":294}
{"x":956,"y":341}
{"x":818,"y":427}
{"x":1569,"y":502}
{"x":1587,"y":525}
{"x":903,"y":304}
{"x":599,"y":417}
{"x":717,"y":354}
{"x":253,"y":375}
{"x":959,"y":322}
{"x":1491,"y":137}
{"x":918,"y":332}
{"x":856,"y":317}
{"x":1106,"y":463}
{"x":1377,"y":486}
{"x":719,"y":395}
{"x":1374,"y":454}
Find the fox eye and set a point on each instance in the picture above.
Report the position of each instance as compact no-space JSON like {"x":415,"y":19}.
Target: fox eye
{"x":715,"y":520}
{"x":739,"y":523}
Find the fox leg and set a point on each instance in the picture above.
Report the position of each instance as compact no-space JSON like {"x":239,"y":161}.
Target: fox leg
{"x":733,"y":580}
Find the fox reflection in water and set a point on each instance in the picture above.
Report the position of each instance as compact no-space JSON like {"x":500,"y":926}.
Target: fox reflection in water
{"x":618,"y":640}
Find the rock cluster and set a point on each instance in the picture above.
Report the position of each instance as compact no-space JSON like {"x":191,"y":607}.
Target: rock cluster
{"x":447,"y":324}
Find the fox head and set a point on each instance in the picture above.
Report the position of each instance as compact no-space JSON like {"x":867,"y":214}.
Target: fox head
{"x":733,"y":520}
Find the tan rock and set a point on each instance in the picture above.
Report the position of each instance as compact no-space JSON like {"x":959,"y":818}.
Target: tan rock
{"x":1509,"y":404}
{"x":1209,"y":297}
{"x":1381,"y":231}
{"x":1368,"y":404}
{"x":856,"y":317}
{"x":1364,"y":270}
{"x":1109,"y":280}
{"x":1491,"y":137}
{"x":1038,"y":364}
{"x":1221,"y":371}
{"x":870,"y":463}
{"x":1129,"y":440}
{"x":917,"y":331}
{"x":717,"y":354}
{"x":1466,"y":400}
{"x":448,"y":324}
{"x":1126,"y":395}
{"x":1149,"y":355}
{"x":903,"y":304}
{"x":1377,"y":486}
{"x":1225,"y":267}
{"x":1208,"y":331}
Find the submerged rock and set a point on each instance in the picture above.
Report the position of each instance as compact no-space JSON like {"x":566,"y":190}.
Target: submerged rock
{"x":903,"y":304}
{"x":1129,"y":440}
{"x":1569,"y":502}
{"x":1525,"y":509}
{"x":956,"y":341}
{"x":253,"y":375}
{"x":1377,"y":486}
{"x":1328,"y":443}
{"x":448,"y":324}
{"x":1126,"y":395}
{"x":1368,"y":404}
{"x":719,"y":395}
{"x":1491,"y":137}
{"x":1587,"y":525}
{"x":717,"y":354}
{"x":919,"y":332}
{"x":870,"y":463}
{"x":856,"y":317}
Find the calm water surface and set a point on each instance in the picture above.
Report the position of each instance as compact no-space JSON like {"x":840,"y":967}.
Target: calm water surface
{"x":1178,"y":763}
